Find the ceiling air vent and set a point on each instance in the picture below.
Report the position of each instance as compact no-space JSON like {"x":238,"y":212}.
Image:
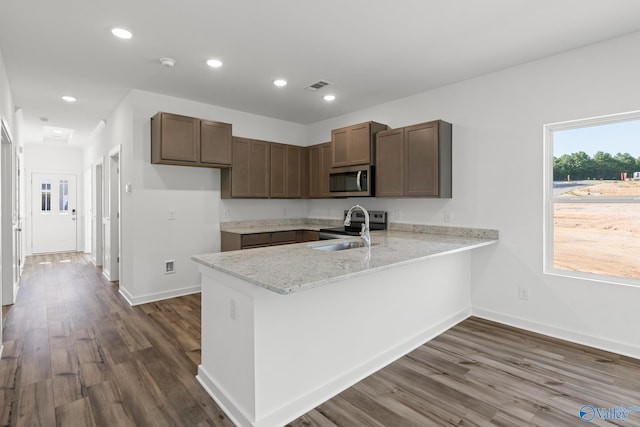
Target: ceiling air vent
{"x":317,"y":85}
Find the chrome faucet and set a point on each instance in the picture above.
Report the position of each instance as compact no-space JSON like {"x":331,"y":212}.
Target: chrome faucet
{"x":364,"y":232}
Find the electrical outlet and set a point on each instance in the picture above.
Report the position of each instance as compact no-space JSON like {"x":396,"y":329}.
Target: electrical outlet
{"x":172,"y":215}
{"x":523,"y":293}
{"x":396,"y":215}
{"x":169,"y":267}
{"x":447,"y":216}
{"x":226,"y":214}
{"x":284,"y":212}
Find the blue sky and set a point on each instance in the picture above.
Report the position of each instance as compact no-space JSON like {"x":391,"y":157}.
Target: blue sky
{"x":623,"y":137}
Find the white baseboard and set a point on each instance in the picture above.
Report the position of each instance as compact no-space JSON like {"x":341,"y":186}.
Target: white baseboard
{"x":231,"y":409}
{"x":624,"y":349}
{"x":144,"y":299}
{"x":1,"y":349}
{"x":106,"y":274}
{"x":307,"y":402}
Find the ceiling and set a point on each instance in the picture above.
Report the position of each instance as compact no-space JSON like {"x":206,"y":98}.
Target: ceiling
{"x":372,"y":51}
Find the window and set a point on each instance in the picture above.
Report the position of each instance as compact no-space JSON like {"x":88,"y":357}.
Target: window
{"x":63,"y":197}
{"x":592,"y":198}
{"x":46,"y":196}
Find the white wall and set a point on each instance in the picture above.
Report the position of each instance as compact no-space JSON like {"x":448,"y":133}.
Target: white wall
{"x":498,"y":183}
{"x":40,"y":158}
{"x":148,"y":237}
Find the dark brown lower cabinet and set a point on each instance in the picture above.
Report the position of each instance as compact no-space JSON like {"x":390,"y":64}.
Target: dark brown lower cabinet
{"x":236,"y":241}
{"x":414,"y":161}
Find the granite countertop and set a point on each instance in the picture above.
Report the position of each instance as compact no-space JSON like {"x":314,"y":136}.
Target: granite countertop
{"x":251,"y":227}
{"x":291,"y":268}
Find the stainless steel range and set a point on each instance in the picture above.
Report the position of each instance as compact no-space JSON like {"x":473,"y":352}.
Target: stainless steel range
{"x":377,"y":221}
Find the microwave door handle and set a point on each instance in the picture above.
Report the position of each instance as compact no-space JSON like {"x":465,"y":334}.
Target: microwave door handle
{"x":358,"y":180}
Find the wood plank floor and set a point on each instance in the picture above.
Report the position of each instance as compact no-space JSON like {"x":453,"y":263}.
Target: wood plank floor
{"x":77,"y":355}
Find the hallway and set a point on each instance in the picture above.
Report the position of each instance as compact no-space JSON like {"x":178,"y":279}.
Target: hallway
{"x":76,"y":354}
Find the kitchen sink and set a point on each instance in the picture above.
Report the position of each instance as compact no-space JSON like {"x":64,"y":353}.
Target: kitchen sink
{"x":339,"y":246}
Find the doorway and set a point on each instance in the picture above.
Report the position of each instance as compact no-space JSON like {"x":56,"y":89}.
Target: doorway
{"x":111,"y":266}
{"x":53,"y":213}
{"x":97,"y":246}
{"x":7,"y":214}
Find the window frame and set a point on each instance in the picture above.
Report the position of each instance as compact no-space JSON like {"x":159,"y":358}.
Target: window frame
{"x":549,"y":199}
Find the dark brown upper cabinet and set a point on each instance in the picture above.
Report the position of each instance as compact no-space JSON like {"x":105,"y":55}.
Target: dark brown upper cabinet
{"x":320,"y":158}
{"x":414,"y":161}
{"x":188,"y":141}
{"x":295,"y":172}
{"x":215,"y":143}
{"x":355,"y":145}
{"x":249,"y":175}
{"x":286,"y":171}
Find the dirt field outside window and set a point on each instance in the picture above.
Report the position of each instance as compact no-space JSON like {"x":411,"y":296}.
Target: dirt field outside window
{"x":599,"y":238}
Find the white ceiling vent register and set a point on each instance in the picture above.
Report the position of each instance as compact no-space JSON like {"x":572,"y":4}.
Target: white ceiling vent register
{"x":317,"y":85}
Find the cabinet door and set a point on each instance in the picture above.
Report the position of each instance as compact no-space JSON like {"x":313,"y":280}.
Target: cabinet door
{"x":240,"y":168}
{"x":315,"y":165}
{"x":259,"y":169}
{"x":179,"y":138}
{"x":390,"y":160}
{"x":293,"y":171}
{"x":360,"y":144}
{"x":215,"y":143}
{"x":421,"y":160}
{"x":278,"y":170}
{"x":283,"y":238}
{"x":325,"y":151}
{"x":340,"y":147}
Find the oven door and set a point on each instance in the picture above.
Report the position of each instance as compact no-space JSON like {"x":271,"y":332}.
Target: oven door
{"x":351,"y":181}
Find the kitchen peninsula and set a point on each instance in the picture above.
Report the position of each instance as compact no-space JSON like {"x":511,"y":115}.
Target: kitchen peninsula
{"x":285,"y":328}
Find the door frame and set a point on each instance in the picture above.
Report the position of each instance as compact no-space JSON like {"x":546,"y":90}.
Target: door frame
{"x":7,"y":189}
{"x":115,"y":201}
{"x":97,"y":205}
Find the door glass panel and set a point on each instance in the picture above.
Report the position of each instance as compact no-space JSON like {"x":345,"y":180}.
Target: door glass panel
{"x":46,"y":196}
{"x":63,"y":198}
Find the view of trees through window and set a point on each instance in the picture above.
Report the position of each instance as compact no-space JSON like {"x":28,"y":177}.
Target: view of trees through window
{"x":596,"y":198}
{"x":581,"y":166}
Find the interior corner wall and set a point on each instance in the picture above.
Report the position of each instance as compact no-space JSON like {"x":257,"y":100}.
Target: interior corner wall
{"x":149,"y":237}
{"x":498,"y":183}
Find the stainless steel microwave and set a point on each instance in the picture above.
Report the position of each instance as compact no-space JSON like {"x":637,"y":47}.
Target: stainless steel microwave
{"x":351,"y":181}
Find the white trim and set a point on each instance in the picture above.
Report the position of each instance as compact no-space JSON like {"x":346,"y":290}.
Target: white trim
{"x":229,"y":406}
{"x":549,"y":200}
{"x":301,"y":405}
{"x":158,"y":296}
{"x":560,"y":333}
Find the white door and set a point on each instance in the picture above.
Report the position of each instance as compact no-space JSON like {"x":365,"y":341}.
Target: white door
{"x":54,"y":213}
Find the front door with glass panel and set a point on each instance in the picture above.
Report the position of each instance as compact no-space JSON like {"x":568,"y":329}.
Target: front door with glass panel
{"x":54,"y":213}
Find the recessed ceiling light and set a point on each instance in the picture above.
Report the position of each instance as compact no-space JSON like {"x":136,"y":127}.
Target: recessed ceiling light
{"x":58,"y":132}
{"x":280,"y":82}
{"x":121,"y":33}
{"x":214,"y":63}
{"x":69,"y":98}
{"x":168,"y":62}
{"x":329,"y":97}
